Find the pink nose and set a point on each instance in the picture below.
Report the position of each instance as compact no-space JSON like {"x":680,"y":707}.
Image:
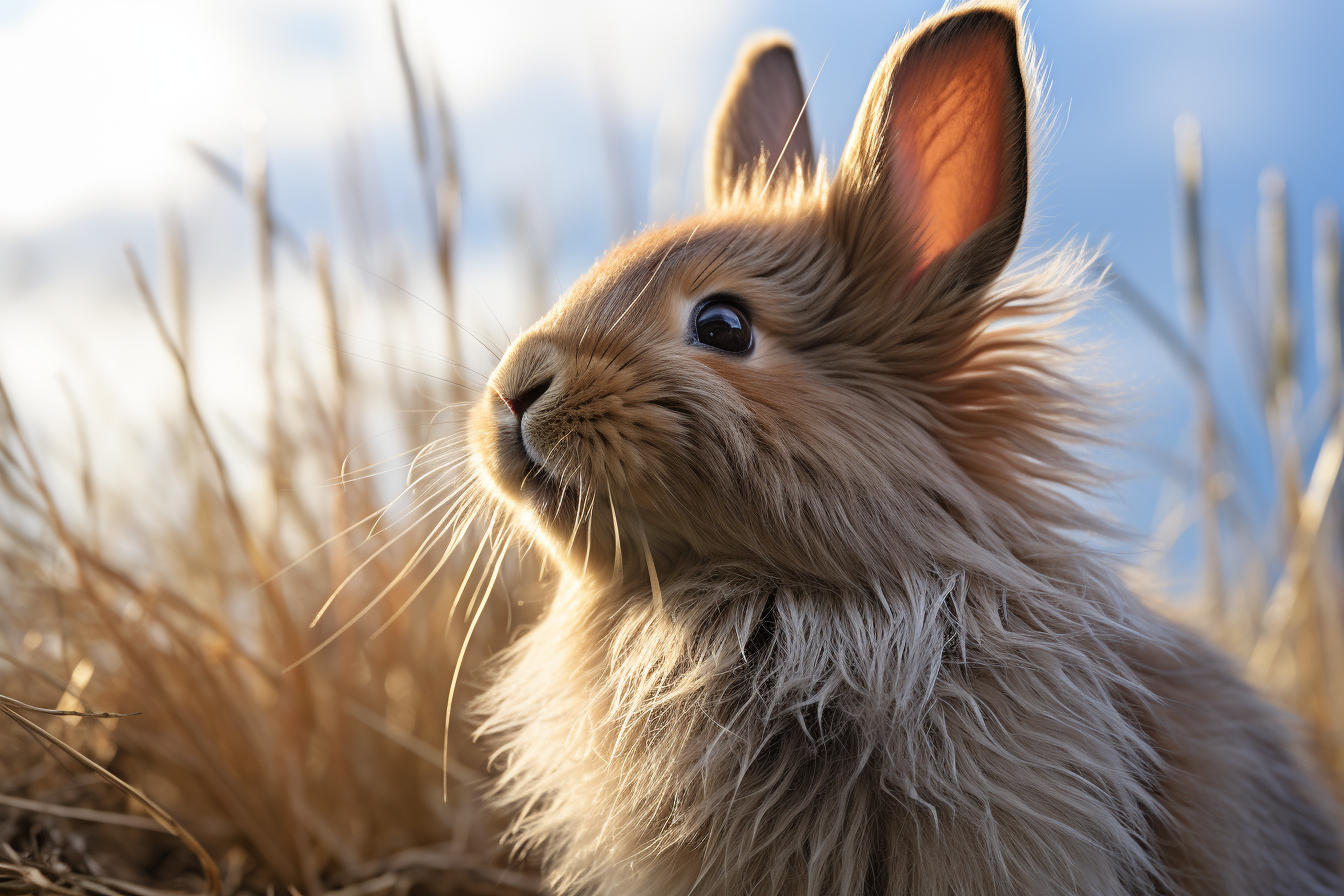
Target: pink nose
{"x":524,"y":400}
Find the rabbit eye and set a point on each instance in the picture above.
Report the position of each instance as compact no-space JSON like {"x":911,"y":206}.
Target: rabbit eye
{"x":723,"y":325}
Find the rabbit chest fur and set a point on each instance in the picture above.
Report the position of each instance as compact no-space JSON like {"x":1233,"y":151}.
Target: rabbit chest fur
{"x":830,"y":620}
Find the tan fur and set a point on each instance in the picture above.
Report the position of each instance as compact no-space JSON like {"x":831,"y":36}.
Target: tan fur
{"x":831,"y":621}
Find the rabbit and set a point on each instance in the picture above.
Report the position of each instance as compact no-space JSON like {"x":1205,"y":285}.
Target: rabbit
{"x":831,"y":618}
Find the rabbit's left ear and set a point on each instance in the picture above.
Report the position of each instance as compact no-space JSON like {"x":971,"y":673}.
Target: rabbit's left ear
{"x":937,"y":161}
{"x":761,"y":115}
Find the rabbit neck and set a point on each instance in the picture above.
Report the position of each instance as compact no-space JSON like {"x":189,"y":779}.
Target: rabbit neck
{"x":927,"y":725}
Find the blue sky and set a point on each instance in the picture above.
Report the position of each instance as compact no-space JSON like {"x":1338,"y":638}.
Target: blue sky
{"x":98,"y":98}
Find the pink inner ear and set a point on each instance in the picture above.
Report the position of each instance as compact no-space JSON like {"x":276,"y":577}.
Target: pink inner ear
{"x":947,"y":131}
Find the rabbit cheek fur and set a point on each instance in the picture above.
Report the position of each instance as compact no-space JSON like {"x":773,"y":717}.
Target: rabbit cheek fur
{"x":828,"y":623}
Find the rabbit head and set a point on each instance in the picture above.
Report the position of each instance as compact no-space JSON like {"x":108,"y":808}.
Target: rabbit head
{"x":811,"y":376}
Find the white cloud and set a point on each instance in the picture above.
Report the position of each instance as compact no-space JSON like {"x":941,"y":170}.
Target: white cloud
{"x":96,"y":98}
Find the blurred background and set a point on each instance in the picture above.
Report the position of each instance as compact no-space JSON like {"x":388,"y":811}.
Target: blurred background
{"x":576,"y":124}
{"x":289,"y":196}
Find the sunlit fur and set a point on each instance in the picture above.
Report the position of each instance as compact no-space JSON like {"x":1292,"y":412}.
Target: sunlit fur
{"x":831,"y":620}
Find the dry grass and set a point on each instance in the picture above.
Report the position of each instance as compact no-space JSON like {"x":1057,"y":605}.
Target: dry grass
{"x":329,"y":775}
{"x":1271,"y":588}
{"x":292,"y":767}
{"x":312,"y":774}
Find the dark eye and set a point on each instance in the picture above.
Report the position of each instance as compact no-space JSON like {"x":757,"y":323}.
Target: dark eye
{"x":723,"y":325}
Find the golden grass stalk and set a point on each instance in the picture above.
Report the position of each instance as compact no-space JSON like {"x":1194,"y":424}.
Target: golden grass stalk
{"x":1326,"y":283}
{"x":1190,"y":168}
{"x":1289,"y":653}
{"x":175,"y":273}
{"x":440,"y":184}
{"x":1281,"y":385}
{"x":1328,"y":621}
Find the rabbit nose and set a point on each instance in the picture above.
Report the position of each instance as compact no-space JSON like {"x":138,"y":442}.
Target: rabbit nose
{"x":524,"y":400}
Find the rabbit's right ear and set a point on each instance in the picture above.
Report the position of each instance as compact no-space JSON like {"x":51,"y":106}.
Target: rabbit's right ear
{"x":762,"y":114}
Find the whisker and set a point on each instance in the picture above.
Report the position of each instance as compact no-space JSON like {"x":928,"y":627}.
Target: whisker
{"x":384,"y":432}
{"x":717,"y":262}
{"x":429,"y":494}
{"x":406,"y":347}
{"x":457,"y":539}
{"x":618,"y":560}
{"x":335,"y":537}
{"x":341,"y":534}
{"x":441,"y":379}
{"x":360,"y":568}
{"x":578,"y":517}
{"x":658,"y":267}
{"x":466,"y":576}
{"x":476,"y":592}
{"x":443,"y":559}
{"x":801,"y":113}
{"x":368,"y":607}
{"x":457,"y":669}
{"x":486,"y":304}
{"x":350,"y":478}
{"x":588,"y":548}
{"x":648,"y":562}
{"x":427,"y":450}
{"x":439,"y":311}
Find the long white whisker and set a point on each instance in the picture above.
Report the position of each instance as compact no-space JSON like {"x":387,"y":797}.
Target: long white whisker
{"x":437,"y":311}
{"x":457,"y":669}
{"x":435,"y":534}
{"x":588,"y":548}
{"x":466,"y":576}
{"x":648,"y":561}
{"x":358,"y":569}
{"x":796,"y":121}
{"x":366,"y":441}
{"x":346,"y":479}
{"x":346,"y":531}
{"x":428,"y":495}
{"x":447,"y":552}
{"x":617,"y":561}
{"x":649,"y":283}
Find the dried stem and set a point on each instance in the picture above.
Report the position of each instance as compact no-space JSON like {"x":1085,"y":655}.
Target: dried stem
{"x":441,"y":187}
{"x":1190,"y":165}
{"x":157,"y":812}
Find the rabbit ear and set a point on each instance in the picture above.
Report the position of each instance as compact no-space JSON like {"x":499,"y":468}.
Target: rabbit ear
{"x":761,"y":114}
{"x":938,"y":155}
